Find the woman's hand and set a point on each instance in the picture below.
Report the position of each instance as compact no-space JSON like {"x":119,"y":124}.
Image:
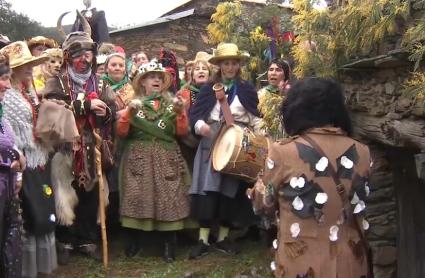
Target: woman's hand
{"x":19,"y":165}
{"x":283,"y":87}
{"x":206,"y":130}
{"x":134,"y":106}
{"x":98,"y":107}
{"x":178,"y":104}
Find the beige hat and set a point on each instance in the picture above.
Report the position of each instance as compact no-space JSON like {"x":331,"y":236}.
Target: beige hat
{"x":202,"y":56}
{"x":227,"y":51}
{"x":43,"y":41}
{"x":19,"y":55}
{"x":53,"y":52}
{"x":152,"y":66}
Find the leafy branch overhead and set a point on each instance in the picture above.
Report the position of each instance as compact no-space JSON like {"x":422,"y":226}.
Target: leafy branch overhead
{"x":258,"y":30}
{"x":330,"y":37}
{"x":414,"y":41}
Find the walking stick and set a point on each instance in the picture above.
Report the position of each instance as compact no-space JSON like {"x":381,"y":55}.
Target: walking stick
{"x":98,"y":155}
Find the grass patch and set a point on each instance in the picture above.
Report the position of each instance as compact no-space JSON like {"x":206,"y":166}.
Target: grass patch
{"x":254,"y":261}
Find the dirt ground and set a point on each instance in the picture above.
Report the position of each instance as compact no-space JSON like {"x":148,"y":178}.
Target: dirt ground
{"x":253,"y":261}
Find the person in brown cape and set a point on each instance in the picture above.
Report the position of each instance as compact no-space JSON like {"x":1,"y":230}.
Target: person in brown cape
{"x":317,"y":183}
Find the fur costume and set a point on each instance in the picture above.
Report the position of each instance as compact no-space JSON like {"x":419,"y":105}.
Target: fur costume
{"x":66,"y":198}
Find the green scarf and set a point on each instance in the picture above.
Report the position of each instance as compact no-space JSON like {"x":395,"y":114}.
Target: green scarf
{"x":153,"y":96}
{"x":272,"y":89}
{"x":193,"y":88}
{"x":228,"y":83}
{"x":115,"y":85}
{"x":1,"y":111}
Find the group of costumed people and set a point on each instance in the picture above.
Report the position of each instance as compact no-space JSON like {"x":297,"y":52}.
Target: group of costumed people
{"x":158,"y":135}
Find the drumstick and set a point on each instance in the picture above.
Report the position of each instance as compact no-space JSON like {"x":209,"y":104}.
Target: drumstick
{"x":225,"y":108}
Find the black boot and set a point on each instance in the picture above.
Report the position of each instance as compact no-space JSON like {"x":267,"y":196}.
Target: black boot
{"x":133,"y":245}
{"x":169,"y":247}
{"x":169,"y":252}
{"x":63,"y":252}
{"x":132,"y":249}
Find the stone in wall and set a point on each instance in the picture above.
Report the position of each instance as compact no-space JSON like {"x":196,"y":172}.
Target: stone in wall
{"x":382,"y":215}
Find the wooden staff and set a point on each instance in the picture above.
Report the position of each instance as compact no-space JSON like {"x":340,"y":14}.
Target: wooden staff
{"x":98,"y":155}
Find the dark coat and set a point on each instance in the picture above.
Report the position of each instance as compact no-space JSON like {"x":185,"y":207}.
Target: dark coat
{"x":206,"y":101}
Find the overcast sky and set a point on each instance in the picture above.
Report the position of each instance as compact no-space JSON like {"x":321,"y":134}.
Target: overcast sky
{"x":119,"y":13}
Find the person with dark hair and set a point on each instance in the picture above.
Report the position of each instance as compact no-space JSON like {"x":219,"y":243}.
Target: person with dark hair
{"x":315,"y":102}
{"x":317,"y":184}
{"x":11,"y":162}
{"x":270,"y":97}
{"x":216,"y":197}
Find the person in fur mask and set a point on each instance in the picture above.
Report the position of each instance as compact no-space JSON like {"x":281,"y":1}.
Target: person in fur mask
{"x":74,"y":166}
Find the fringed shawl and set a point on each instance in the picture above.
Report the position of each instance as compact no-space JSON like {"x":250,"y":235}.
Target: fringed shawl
{"x":19,"y":114}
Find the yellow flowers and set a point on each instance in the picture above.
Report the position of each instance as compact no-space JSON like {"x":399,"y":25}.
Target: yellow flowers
{"x":269,"y":106}
{"x":355,"y":28}
{"x":258,"y":36}
{"x":222,"y":21}
{"x":414,"y":87}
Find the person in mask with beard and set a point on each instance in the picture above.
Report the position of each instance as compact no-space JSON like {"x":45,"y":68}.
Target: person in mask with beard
{"x":51,"y":68}
{"x":74,"y":168}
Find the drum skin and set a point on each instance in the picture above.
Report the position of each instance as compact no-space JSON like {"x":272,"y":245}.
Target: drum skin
{"x":239,"y":152}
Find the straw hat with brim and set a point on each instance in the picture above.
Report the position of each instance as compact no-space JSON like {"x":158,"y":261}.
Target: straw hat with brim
{"x":19,"y":55}
{"x":43,"y":41}
{"x":152,"y":66}
{"x":226,"y":51}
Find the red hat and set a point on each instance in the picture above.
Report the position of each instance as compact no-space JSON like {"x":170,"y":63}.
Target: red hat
{"x":119,"y":49}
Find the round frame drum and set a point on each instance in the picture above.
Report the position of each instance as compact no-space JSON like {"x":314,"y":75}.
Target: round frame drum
{"x":240,"y":153}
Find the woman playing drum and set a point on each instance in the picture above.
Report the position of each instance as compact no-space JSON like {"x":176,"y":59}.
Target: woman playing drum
{"x":215,"y":195}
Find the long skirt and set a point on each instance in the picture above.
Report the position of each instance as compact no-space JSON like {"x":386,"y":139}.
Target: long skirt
{"x":39,"y":255}
{"x":38,"y":209}
{"x":154,"y":182}
{"x":216,"y":196}
{"x":10,"y":227}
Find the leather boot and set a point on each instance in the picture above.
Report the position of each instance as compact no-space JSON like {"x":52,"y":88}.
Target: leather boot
{"x":169,"y":252}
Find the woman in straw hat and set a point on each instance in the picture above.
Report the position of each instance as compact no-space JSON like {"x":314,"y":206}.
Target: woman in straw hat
{"x":215,"y":196}
{"x":200,"y":75}
{"x":11,"y":161}
{"x":37,"y":45}
{"x":154,"y":179}
{"x":20,"y":109}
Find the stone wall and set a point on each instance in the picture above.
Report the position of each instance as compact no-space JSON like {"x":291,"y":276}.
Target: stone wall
{"x":382,"y":215}
{"x":393,"y":125}
{"x":184,"y":36}
{"x":381,"y":112}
